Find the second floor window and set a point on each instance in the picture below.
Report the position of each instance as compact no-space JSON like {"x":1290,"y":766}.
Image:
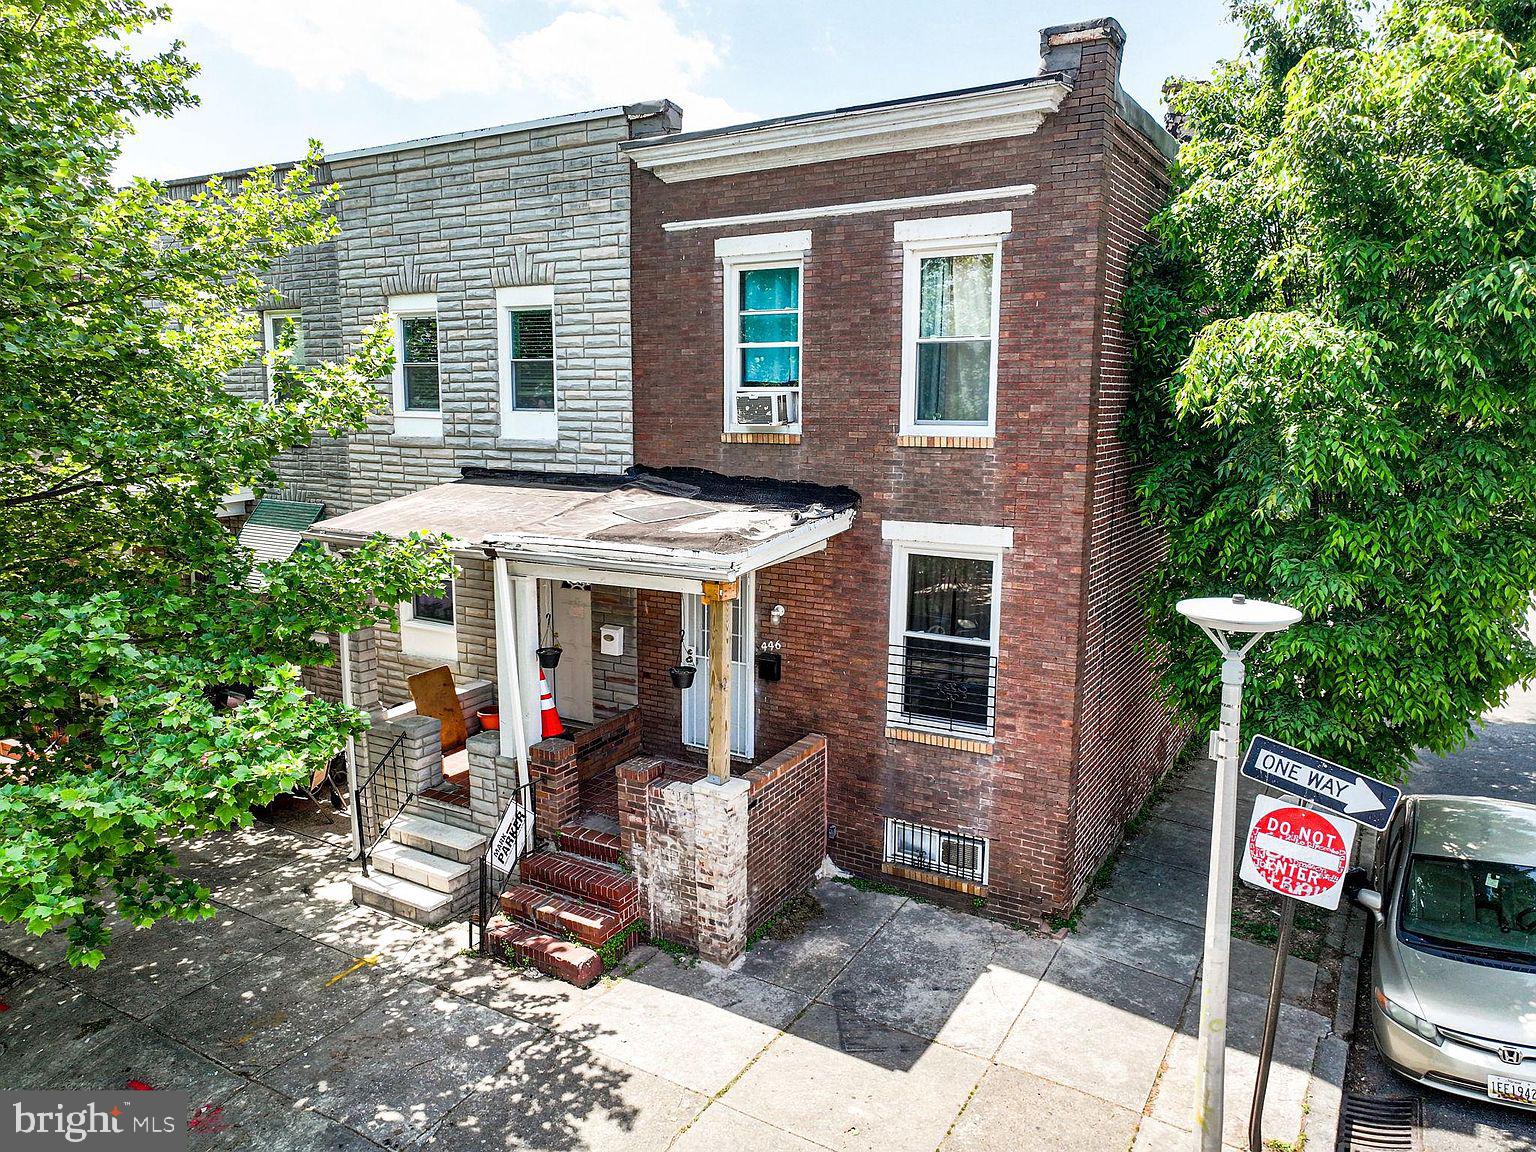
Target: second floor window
{"x":766,"y":363}
{"x":418,"y":362}
{"x":954,"y":339}
{"x":531,"y":341}
{"x":950,"y":293}
{"x":283,"y":333}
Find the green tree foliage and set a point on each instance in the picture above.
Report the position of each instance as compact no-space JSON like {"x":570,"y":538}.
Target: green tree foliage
{"x":1335,"y":337}
{"x":122,"y":597}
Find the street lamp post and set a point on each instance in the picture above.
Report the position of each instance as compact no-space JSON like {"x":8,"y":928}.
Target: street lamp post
{"x":1234,"y":624}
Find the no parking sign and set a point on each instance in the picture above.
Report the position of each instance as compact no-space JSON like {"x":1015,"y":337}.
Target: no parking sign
{"x":1298,"y":852}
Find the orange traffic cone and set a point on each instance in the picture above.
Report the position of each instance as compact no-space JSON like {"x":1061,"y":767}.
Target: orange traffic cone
{"x":548,"y":717}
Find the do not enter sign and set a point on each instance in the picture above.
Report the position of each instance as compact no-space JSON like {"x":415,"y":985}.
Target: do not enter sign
{"x":1297,"y":852}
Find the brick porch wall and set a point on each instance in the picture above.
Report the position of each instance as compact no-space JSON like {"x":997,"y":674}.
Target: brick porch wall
{"x":682,"y":840}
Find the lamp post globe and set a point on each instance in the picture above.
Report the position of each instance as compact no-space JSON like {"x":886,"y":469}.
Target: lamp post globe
{"x":1234,"y":624}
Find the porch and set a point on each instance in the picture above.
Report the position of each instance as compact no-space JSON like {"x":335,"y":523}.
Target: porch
{"x":677,"y":825}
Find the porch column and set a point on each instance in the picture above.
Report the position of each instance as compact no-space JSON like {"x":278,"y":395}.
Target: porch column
{"x":718,"y":599}
{"x":509,"y":682}
{"x":359,"y":672}
{"x":525,"y":593}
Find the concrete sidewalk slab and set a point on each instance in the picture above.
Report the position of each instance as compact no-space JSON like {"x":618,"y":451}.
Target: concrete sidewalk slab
{"x":1297,"y":1037}
{"x":1024,"y":1113}
{"x":398,"y":1069}
{"x":810,"y":961}
{"x":557,"y":1093}
{"x":147,"y":968}
{"x":1097,"y":1026}
{"x":848,"y":1084}
{"x":51,"y":1030}
{"x":1155,"y":944}
{"x":1167,"y":891}
{"x":688,"y":1025}
{"x":257,"y":1117}
{"x":723,"y":1128}
{"x":257,"y":1015}
{"x":945,"y":976}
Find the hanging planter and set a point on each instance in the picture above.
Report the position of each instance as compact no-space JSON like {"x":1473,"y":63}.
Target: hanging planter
{"x":682,"y":676}
{"x":549,"y":656}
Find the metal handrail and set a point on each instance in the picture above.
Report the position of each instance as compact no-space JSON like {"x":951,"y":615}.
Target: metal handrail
{"x":363,"y":800}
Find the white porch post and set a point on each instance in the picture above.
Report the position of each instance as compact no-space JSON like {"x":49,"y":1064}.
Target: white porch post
{"x":344,"y":644}
{"x":509,"y":686}
{"x":525,"y":593}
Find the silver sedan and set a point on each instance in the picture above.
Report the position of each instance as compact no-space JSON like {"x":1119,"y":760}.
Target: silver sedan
{"x":1454,"y":981}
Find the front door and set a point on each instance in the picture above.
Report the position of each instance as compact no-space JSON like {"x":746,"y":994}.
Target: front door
{"x":696,"y":697}
{"x":571,"y":624}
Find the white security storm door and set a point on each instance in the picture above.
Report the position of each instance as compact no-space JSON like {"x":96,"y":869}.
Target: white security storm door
{"x":696,"y":698}
{"x":571,"y":681}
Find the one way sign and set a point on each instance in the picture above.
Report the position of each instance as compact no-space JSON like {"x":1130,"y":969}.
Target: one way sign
{"x":1324,"y":783}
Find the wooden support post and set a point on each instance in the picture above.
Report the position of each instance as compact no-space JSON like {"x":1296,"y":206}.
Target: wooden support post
{"x":717,"y":600}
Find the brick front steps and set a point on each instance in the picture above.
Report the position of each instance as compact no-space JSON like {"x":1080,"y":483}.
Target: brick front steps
{"x":574,"y":963}
{"x":593,"y":843}
{"x":565,"y":906}
{"x":590,"y":924}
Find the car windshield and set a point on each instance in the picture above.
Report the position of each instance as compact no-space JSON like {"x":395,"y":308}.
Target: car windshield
{"x":1472,"y":908}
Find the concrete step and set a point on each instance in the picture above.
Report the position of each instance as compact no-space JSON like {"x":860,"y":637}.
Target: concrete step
{"x":435,"y":872}
{"x":402,"y":898}
{"x":437,"y":838}
{"x":593,"y":843}
{"x":583,"y":880}
{"x":589,"y":923}
{"x":574,"y":963}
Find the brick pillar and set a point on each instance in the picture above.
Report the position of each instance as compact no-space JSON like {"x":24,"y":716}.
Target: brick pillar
{"x":556,"y":785}
{"x":720,"y":848}
{"x":635,"y":778}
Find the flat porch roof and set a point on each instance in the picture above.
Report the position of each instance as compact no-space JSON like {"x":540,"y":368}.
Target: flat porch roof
{"x":665,"y":528}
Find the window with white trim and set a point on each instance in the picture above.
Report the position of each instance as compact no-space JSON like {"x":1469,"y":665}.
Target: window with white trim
{"x":417,"y":379}
{"x":525,"y":324}
{"x":950,"y":297}
{"x":929,"y":849}
{"x":942,"y":670}
{"x":763,"y":277}
{"x":427,"y":626}
{"x":282,"y":333}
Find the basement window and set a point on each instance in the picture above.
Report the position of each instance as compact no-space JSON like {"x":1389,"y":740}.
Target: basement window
{"x":928,"y":849}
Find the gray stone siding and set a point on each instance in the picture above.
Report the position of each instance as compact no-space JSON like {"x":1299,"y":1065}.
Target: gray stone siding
{"x":460,"y":219}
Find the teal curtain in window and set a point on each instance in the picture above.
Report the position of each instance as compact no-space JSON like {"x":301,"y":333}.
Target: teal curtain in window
{"x":770,"y":289}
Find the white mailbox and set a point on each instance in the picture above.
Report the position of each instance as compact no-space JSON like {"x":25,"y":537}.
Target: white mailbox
{"x":611,"y":640}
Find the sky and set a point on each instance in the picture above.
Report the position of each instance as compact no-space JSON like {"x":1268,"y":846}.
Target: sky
{"x":355,"y":73}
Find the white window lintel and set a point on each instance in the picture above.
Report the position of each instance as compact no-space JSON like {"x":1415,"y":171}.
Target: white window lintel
{"x":763,"y":244}
{"x":413,"y":302}
{"x":975,"y":226}
{"x":979,"y":536}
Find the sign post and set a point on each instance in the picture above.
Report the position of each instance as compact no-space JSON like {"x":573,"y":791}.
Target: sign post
{"x":1302,"y":854}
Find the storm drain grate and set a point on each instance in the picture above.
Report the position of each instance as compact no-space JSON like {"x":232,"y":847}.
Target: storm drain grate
{"x":1376,"y":1122}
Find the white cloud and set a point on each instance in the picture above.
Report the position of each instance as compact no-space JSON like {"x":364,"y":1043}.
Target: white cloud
{"x":589,"y":53}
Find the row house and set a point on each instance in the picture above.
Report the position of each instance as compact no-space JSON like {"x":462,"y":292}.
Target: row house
{"x":781,"y":463}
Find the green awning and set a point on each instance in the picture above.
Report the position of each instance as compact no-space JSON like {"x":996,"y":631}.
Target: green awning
{"x":274,"y":530}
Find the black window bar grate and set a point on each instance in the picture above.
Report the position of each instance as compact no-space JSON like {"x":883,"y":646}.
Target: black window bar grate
{"x":942,"y":685}
{"x":934,"y":850}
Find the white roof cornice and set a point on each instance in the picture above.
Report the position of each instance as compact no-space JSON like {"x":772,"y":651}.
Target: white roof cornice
{"x":954,"y":118}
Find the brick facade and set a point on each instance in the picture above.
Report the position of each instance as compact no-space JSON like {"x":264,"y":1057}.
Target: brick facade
{"x":1079,"y":734}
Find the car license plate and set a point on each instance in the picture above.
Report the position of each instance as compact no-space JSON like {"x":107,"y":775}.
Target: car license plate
{"x":1517,"y":1091}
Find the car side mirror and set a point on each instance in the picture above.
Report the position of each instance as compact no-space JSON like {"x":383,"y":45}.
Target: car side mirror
{"x":1370,"y":900}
